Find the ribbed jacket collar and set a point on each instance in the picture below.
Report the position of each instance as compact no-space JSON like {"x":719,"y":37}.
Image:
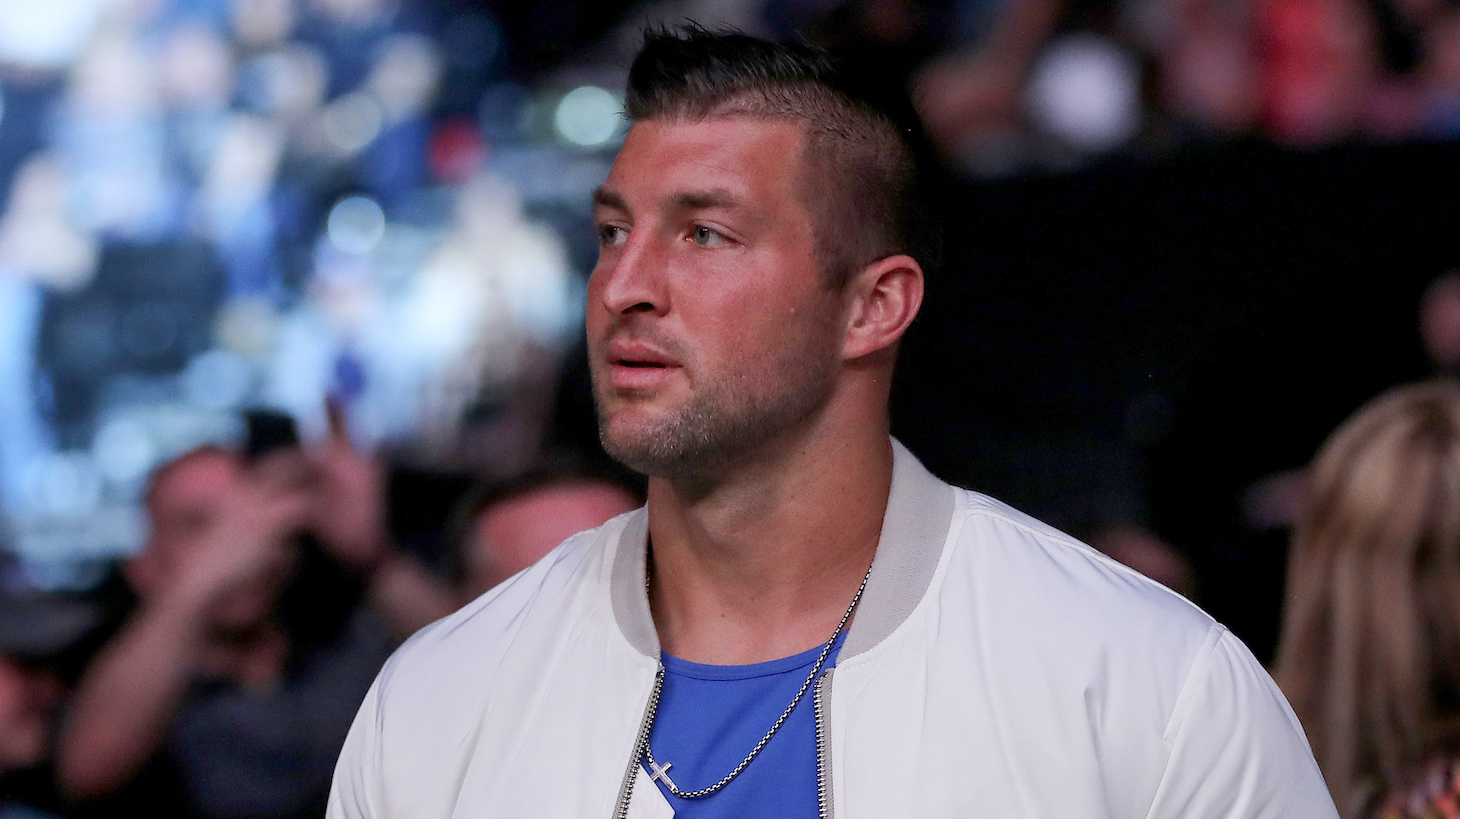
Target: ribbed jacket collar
{"x":914,"y":529}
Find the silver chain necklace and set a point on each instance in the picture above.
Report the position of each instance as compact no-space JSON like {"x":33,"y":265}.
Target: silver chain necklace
{"x":661,"y":772}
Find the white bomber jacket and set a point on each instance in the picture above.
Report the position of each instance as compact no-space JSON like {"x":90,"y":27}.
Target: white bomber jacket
{"x":995,"y":668}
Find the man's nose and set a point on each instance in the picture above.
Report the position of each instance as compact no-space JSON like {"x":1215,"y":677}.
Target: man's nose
{"x":634,"y":281}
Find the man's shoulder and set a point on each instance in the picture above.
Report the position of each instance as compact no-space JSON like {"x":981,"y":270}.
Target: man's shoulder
{"x":1010,"y":569}
{"x":1035,"y":659}
{"x":1152,"y":661}
{"x":1027,"y":564}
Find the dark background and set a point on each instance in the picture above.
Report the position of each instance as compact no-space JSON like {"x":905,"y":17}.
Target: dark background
{"x":1150,"y":340}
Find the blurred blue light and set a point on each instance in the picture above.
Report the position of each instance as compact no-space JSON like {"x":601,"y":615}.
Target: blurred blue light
{"x":45,"y":35}
{"x":123,"y":450}
{"x":587,"y":116}
{"x":356,"y":224}
{"x":67,"y":484}
{"x":217,"y":379}
{"x":353,"y":121}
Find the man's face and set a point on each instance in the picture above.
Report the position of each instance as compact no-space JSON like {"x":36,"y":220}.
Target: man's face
{"x":514,"y":533}
{"x":184,"y":504}
{"x":185,"y":511}
{"x":710,"y":332}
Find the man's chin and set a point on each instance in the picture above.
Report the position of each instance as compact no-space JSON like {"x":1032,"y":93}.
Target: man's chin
{"x":641,"y":444}
{"x":671,"y":448}
{"x":631,"y":450}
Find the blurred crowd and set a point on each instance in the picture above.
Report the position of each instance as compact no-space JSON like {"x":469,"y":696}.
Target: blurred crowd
{"x":1010,"y":86}
{"x":213,"y":204}
{"x":219,"y":672}
{"x":371,"y":216}
{"x":1047,"y":83}
{"x":218,"y":204}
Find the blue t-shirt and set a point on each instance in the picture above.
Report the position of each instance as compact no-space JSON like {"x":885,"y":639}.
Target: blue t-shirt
{"x":709,"y":718}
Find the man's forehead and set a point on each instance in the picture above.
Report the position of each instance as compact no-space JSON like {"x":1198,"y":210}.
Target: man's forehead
{"x":703,"y":163}
{"x":717,"y":128}
{"x":197,"y":474}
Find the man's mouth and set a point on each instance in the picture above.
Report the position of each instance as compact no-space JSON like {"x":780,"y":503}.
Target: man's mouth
{"x":638,"y":355}
{"x":636,"y":365}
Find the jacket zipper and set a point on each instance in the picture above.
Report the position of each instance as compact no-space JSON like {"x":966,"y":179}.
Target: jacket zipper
{"x":819,"y":696}
{"x":626,"y":790}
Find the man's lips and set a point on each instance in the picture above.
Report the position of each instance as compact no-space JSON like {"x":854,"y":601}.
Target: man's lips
{"x":638,"y":354}
{"x":635,"y":365}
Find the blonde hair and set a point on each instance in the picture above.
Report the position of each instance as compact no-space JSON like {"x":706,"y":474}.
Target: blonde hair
{"x":1370,"y":648}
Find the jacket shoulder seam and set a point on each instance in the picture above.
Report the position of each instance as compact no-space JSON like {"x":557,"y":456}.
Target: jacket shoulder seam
{"x":1056,"y":538}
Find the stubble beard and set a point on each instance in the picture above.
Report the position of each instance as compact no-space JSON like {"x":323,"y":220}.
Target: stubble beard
{"x":725,"y":422}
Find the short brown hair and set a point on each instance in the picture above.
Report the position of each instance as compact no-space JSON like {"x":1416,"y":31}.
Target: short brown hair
{"x":858,"y":172}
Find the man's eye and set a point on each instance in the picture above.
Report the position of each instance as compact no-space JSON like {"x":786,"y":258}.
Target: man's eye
{"x":611,"y":235}
{"x":708,"y":237}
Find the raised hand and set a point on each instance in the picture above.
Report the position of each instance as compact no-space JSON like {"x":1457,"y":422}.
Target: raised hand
{"x":347,"y":506}
{"x":246,"y":539}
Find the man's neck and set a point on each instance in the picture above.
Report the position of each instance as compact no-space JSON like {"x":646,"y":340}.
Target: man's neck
{"x":762,"y":562}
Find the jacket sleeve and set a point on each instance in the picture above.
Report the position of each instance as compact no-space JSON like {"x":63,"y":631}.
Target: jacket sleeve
{"x":1236,"y":749}
{"x":356,"y":790}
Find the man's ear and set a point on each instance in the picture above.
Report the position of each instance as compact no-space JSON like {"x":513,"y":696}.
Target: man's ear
{"x":884,"y":299}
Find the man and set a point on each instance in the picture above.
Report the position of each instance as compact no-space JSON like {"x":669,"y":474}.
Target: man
{"x":505,"y":526}
{"x":41,"y":636}
{"x":229,"y":690}
{"x":803,"y":621}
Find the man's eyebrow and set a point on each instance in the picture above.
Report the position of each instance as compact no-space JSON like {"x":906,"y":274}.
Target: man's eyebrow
{"x":607,"y":198}
{"x":686,"y":200}
{"x":699,"y":200}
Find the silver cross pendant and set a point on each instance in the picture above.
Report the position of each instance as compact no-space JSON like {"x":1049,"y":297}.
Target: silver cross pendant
{"x":657,"y":771}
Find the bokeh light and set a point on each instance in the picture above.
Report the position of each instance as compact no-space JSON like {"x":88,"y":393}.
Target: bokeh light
{"x":65,"y":484}
{"x":1086,"y":90}
{"x":356,"y":224}
{"x":217,"y":379}
{"x":45,"y":35}
{"x":352,"y":122}
{"x":588,"y":116}
{"x":123,"y":450}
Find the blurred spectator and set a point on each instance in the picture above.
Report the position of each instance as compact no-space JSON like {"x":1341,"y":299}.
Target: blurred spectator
{"x":229,"y":691}
{"x":971,"y":100}
{"x":1038,"y":82}
{"x":1275,"y":501}
{"x":37,"y":632}
{"x":456,"y":362}
{"x":111,"y":140}
{"x":40,"y":250}
{"x":506,"y":526}
{"x":1141,"y":550}
{"x":1439,"y":323}
{"x":1209,"y":71}
{"x":1370,"y":648}
{"x":1320,"y":68}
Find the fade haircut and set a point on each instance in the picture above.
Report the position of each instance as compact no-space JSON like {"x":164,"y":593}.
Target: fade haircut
{"x":857,"y":172}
